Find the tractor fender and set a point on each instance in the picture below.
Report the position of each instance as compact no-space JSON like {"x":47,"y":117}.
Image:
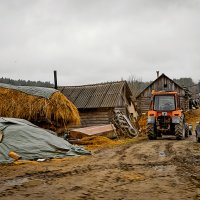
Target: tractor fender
{"x":151,"y":120}
{"x":176,"y":119}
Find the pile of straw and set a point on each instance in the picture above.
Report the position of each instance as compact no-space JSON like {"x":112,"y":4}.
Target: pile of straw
{"x":142,"y":121}
{"x":54,"y":113}
{"x":99,"y":142}
{"x":192,"y":117}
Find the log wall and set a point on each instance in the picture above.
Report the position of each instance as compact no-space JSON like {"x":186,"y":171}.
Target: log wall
{"x":93,"y":117}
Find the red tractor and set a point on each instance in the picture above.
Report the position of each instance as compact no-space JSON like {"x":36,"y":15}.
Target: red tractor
{"x":165,"y":116}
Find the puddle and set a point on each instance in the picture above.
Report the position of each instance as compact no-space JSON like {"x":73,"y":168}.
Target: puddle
{"x":23,"y":181}
{"x":33,"y":183}
{"x":162,"y":154}
{"x":160,"y":168}
{"x":16,"y":182}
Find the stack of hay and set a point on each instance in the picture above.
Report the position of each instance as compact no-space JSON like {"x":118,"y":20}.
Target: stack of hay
{"x":45,"y":107}
{"x":142,"y":121}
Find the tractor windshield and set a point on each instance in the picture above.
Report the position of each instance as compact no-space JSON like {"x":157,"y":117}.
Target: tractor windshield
{"x":164,"y":102}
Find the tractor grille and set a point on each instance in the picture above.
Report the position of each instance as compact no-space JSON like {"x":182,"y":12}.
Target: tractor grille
{"x":163,"y":122}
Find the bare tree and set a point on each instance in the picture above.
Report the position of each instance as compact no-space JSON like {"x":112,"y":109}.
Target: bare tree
{"x":136,"y":85}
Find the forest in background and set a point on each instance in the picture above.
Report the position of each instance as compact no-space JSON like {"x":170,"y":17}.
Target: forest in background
{"x":26,"y":83}
{"x":136,"y":84}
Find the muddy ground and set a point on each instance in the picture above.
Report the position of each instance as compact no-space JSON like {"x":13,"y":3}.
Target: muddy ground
{"x":161,"y":169}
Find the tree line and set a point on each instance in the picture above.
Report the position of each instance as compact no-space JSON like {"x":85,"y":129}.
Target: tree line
{"x":26,"y":83}
{"x":136,"y":84}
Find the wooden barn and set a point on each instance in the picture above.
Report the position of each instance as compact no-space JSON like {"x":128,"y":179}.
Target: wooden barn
{"x":97,"y":103}
{"x":162,"y":83}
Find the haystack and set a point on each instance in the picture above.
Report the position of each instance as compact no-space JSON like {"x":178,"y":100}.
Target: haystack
{"x":45,"y":107}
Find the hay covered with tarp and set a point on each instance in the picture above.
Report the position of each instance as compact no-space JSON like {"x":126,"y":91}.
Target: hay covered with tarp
{"x":45,"y":107}
{"x":24,"y":140}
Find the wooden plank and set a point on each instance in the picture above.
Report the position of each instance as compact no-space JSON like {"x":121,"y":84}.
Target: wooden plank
{"x":104,"y":130}
{"x":94,"y":117}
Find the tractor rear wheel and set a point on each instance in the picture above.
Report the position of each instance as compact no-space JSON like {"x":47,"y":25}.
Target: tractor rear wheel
{"x":180,"y":131}
{"x":151,"y":132}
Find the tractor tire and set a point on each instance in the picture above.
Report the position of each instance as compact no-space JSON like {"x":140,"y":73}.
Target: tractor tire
{"x":151,"y":132}
{"x":180,"y":131}
{"x":186,"y":131}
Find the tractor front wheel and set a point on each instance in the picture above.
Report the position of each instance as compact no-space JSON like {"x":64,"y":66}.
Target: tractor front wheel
{"x":180,"y":131}
{"x":151,"y":132}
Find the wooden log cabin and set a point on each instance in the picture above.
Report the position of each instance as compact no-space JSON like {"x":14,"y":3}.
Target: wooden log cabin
{"x":162,"y":83}
{"x":98,"y":102}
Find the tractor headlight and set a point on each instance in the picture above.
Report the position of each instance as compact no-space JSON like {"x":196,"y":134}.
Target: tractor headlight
{"x":151,"y":120}
{"x":176,"y":119}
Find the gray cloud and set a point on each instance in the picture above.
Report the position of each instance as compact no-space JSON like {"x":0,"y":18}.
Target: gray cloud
{"x":90,"y":41}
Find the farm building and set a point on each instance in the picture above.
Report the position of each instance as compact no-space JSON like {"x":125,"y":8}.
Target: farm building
{"x":162,"y":83}
{"x":97,"y":103}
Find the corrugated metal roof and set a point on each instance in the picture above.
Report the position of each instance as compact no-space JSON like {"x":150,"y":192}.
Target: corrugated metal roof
{"x":97,"y":95}
{"x":113,"y":94}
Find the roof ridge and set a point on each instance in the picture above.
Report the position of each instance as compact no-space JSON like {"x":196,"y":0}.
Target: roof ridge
{"x":95,"y":84}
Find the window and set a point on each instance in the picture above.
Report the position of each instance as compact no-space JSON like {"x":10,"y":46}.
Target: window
{"x":164,"y":103}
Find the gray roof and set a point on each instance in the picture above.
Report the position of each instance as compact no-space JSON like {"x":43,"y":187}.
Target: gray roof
{"x":101,"y":95}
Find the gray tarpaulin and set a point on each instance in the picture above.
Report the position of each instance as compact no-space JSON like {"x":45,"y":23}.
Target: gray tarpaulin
{"x":35,"y":91}
{"x":32,"y":142}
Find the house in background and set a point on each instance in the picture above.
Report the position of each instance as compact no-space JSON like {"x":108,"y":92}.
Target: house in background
{"x":162,"y":83}
{"x":97,"y":103}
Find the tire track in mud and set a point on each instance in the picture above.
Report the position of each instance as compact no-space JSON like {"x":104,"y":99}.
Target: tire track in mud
{"x":119,"y":164}
{"x":157,"y":167}
{"x":188,"y":163}
{"x":116,"y":176}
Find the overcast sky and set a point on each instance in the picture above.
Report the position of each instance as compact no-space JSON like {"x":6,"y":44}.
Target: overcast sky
{"x":91,"y":41}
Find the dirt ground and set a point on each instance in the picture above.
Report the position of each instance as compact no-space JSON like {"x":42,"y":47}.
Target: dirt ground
{"x":160,"y":169}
